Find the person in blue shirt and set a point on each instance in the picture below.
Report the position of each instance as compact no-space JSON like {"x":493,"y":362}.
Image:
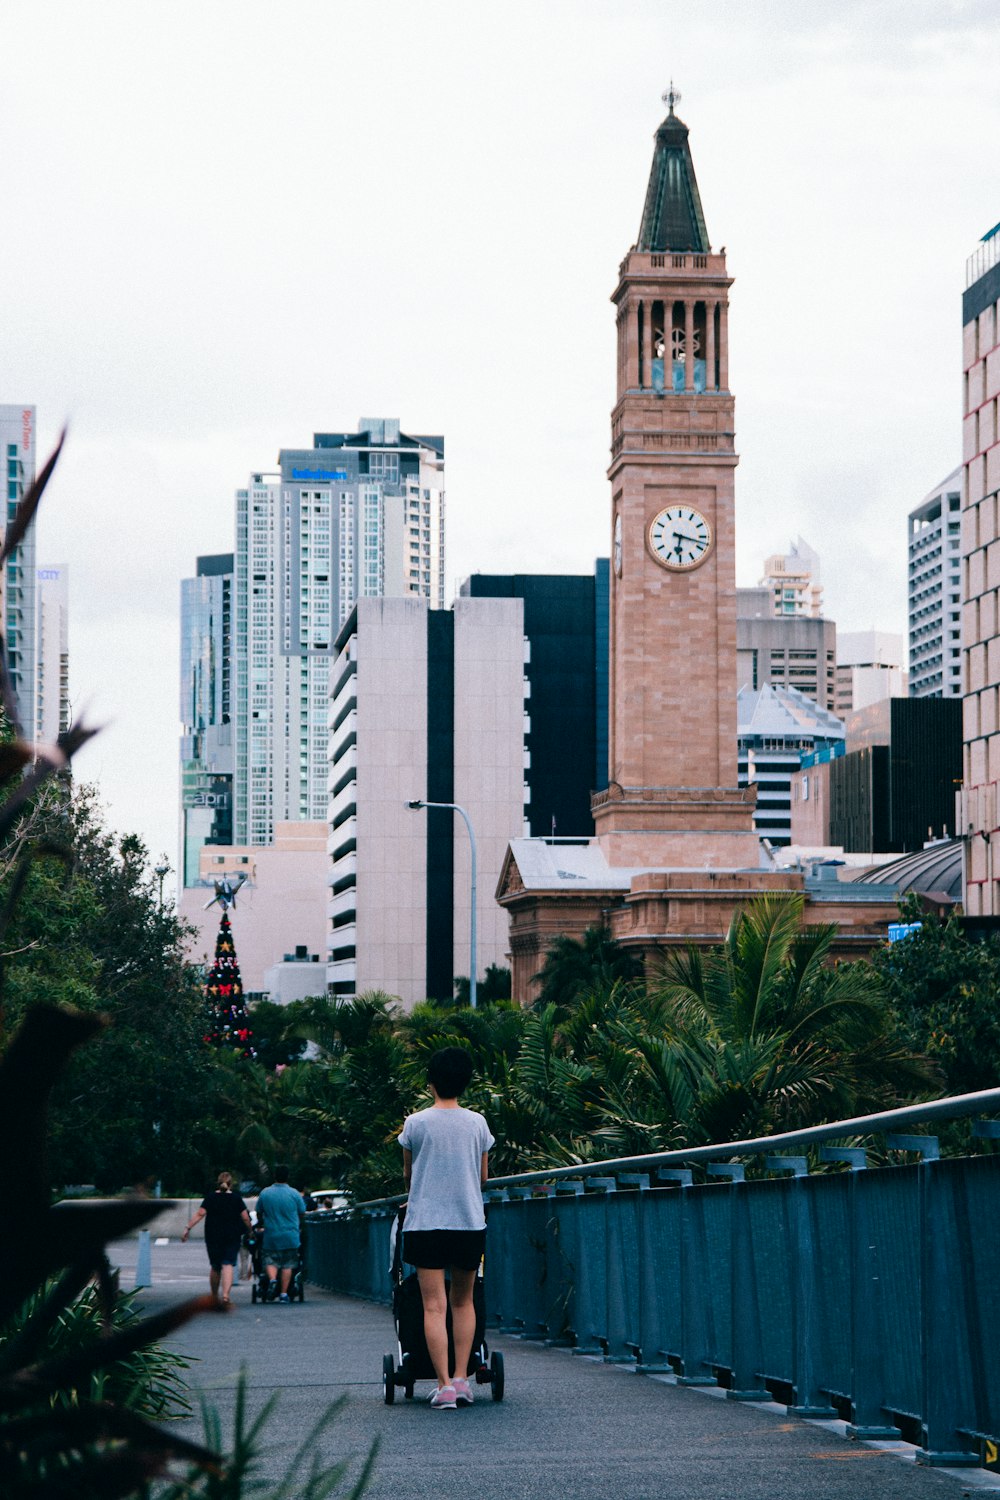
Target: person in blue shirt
{"x":280,"y":1214}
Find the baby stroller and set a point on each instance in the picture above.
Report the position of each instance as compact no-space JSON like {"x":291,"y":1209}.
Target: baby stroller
{"x":408,"y":1316}
{"x":261,"y":1290}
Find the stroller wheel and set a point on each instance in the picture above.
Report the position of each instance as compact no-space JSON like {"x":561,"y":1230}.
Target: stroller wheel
{"x":388,"y":1379}
{"x":407,"y":1377}
{"x":496,"y":1375}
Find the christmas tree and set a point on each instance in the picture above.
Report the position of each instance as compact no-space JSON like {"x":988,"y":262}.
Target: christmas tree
{"x":228,"y":1022}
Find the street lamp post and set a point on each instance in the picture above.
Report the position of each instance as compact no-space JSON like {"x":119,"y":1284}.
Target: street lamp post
{"x":161,"y":872}
{"x":472,"y":842}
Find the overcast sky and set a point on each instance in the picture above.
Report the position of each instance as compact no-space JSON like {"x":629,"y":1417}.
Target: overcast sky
{"x":227,"y":226}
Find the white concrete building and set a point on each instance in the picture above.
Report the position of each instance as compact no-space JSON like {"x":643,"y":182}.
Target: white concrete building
{"x":869,"y":668}
{"x":425,"y":705}
{"x":934,"y":558}
{"x":52,"y":705}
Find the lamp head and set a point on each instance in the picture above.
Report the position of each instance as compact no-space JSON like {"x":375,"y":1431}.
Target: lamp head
{"x":414,"y":805}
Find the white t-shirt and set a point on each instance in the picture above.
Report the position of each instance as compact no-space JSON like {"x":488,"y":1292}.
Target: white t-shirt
{"x":445,"y":1184}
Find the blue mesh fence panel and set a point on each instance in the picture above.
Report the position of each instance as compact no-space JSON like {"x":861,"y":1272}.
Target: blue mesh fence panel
{"x":772,"y":1253}
{"x":829,"y":1198}
{"x":890,"y":1252}
{"x":660,"y":1275}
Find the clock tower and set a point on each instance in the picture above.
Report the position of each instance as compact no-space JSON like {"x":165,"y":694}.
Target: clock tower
{"x":672,"y":799}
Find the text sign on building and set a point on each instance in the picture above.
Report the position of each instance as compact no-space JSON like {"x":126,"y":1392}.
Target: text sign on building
{"x":320,"y":474}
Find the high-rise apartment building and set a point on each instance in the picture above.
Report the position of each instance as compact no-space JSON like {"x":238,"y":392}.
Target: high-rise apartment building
{"x":52,"y":705}
{"x":792,"y":579}
{"x":934,"y":548}
{"x":206,"y":710}
{"x":17,"y":435}
{"x":979,"y":806}
{"x":356,"y":515}
{"x":382,"y":492}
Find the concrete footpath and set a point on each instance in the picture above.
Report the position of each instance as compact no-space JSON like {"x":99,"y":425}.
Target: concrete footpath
{"x":569,"y":1428}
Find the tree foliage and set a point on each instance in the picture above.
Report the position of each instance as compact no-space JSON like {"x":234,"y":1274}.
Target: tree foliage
{"x":941,"y":988}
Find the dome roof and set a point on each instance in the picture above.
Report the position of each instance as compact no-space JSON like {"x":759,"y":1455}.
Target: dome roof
{"x":934,"y":871}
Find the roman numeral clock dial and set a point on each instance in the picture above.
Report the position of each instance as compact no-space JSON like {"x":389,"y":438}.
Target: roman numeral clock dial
{"x":680,"y":538}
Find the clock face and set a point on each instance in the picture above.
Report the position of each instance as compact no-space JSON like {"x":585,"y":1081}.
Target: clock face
{"x":680,"y":537}
{"x":617,"y":551}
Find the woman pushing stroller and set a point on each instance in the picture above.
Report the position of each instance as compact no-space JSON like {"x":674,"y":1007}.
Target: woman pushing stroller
{"x":445,"y":1165}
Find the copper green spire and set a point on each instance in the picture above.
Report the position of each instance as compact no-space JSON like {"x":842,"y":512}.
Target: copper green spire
{"x":672,"y":218}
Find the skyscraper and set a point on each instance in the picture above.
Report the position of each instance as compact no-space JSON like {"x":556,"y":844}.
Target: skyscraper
{"x":206,"y":710}
{"x":356,"y":515}
{"x":52,"y":705}
{"x":17,"y":434}
{"x":933,"y":590}
{"x":980,"y":587}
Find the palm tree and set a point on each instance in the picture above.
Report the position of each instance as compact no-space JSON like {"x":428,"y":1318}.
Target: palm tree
{"x":575,"y":967}
{"x":769,"y":1036}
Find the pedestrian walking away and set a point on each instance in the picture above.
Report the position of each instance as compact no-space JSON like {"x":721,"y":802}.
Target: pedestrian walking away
{"x":225,"y":1216}
{"x":445,"y":1166}
{"x":281,"y":1212}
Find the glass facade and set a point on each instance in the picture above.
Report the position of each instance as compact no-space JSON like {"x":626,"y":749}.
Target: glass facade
{"x":206,"y":711}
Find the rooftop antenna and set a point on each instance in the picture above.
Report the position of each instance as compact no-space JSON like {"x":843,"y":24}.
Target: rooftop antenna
{"x":671,"y":97}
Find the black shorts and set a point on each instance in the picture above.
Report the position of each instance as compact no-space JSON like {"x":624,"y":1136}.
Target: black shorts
{"x":436,"y":1249}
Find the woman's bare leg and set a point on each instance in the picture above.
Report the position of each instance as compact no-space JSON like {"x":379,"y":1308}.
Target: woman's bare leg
{"x":213,"y":1281}
{"x":226,"y":1281}
{"x":435,"y":1301}
{"x":463,"y":1317}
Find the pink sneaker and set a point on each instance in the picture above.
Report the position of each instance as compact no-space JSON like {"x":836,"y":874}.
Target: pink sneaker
{"x":444,"y":1398}
{"x":463,"y":1392}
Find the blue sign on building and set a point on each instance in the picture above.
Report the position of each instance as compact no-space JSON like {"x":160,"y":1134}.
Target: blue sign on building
{"x":899,"y":930}
{"x":321,"y":474}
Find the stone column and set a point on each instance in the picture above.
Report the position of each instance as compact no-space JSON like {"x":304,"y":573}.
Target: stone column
{"x":688,"y":344}
{"x":710,"y":384}
{"x":723,"y":347}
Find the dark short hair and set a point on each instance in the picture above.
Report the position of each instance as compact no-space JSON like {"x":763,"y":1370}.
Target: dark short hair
{"x":281,"y":1173}
{"x":449,"y":1071}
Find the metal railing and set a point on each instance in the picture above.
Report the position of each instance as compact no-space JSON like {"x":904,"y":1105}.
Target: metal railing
{"x":869,"y":1293}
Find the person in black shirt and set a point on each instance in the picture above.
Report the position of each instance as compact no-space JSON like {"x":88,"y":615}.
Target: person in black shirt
{"x":225,"y":1216}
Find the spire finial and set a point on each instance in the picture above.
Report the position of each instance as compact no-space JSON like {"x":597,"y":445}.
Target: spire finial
{"x":671,"y":97}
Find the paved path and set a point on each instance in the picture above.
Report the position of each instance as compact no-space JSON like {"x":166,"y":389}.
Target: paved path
{"x":568,"y":1429}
